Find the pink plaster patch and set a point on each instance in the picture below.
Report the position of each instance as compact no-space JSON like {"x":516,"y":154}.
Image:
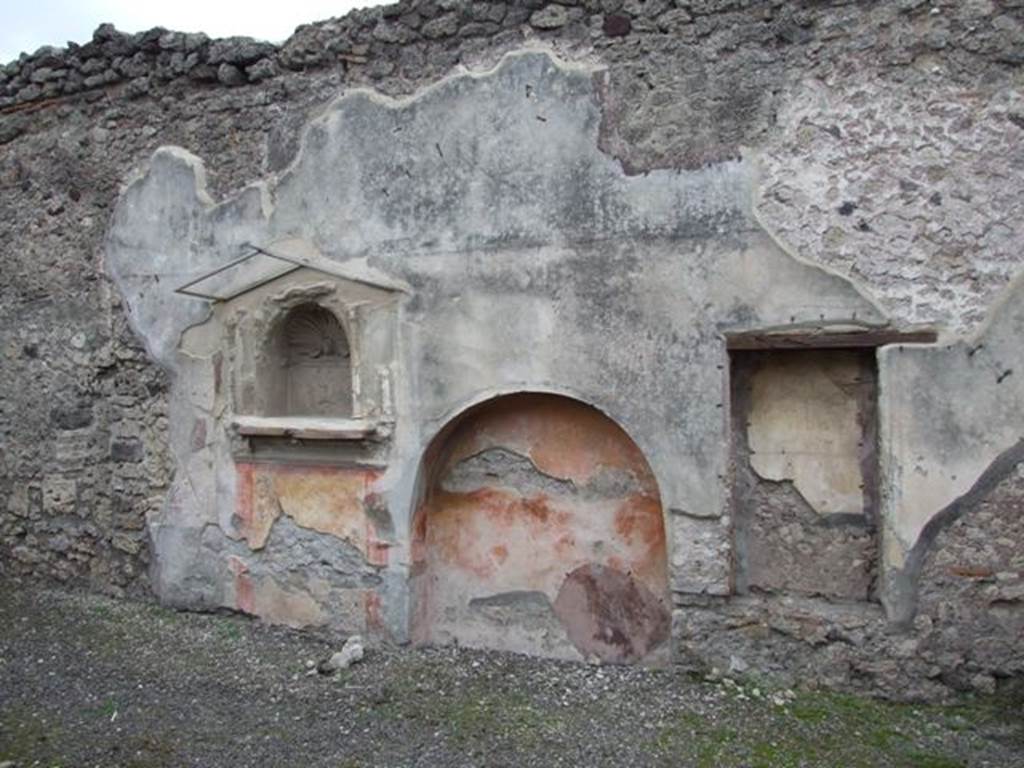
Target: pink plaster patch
{"x":245,"y":592}
{"x":244,"y":474}
{"x":374,"y":616}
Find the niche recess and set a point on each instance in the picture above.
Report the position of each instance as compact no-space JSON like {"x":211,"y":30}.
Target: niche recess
{"x":805,"y":465}
{"x":805,"y":460}
{"x":309,"y":365}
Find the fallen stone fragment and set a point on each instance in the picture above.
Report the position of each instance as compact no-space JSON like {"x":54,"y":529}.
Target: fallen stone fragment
{"x":349,"y":654}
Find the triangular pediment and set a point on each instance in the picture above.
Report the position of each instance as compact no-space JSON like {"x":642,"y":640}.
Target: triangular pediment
{"x":262,"y":265}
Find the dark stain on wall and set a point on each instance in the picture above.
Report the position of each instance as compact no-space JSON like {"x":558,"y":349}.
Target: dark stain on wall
{"x":611,"y":616}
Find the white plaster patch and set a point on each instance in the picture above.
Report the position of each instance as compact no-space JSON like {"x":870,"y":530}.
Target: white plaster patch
{"x":804,"y":427}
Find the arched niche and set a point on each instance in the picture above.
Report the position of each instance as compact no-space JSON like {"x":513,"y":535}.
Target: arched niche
{"x":308,"y":368}
{"x":539,"y":529}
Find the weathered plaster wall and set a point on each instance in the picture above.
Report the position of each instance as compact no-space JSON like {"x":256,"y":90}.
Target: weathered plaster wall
{"x":886,"y":138}
{"x":806,"y":424}
{"x":964,"y":611}
{"x":580,"y":277}
{"x":242,"y":510}
{"x":906,"y":177}
{"x":338,"y":592}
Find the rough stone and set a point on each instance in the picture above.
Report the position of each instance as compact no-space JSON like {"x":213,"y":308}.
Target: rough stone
{"x":261,"y":70}
{"x":550,"y":17}
{"x":238,"y":51}
{"x":349,"y":654}
{"x":229,"y":74}
{"x":443,"y":26}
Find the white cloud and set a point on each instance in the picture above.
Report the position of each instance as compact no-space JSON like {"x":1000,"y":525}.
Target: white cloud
{"x":25,"y":25}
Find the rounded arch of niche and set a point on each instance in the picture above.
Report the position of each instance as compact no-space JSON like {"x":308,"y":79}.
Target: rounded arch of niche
{"x":307,"y":364}
{"x":538,"y":528}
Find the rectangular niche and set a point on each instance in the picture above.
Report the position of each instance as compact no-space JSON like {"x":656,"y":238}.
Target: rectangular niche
{"x":805,"y":457}
{"x":310,"y":370}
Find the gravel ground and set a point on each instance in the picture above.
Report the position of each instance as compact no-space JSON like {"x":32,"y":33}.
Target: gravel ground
{"x":90,"y":681}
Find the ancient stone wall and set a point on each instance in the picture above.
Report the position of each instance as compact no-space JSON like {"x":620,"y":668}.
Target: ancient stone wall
{"x":887,"y":141}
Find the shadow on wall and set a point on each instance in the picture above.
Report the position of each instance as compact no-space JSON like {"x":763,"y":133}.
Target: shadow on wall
{"x":539,"y":529}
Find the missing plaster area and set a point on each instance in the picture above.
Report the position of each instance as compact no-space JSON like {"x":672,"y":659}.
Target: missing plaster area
{"x":508,"y":469}
{"x":804,"y":455}
{"x":309,"y":371}
{"x":296,"y":555}
{"x":504,"y":467}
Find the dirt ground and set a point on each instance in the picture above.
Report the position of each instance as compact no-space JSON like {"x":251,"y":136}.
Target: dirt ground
{"x":89,"y":681}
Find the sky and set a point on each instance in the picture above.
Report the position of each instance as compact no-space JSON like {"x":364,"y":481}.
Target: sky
{"x":25,"y":25}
